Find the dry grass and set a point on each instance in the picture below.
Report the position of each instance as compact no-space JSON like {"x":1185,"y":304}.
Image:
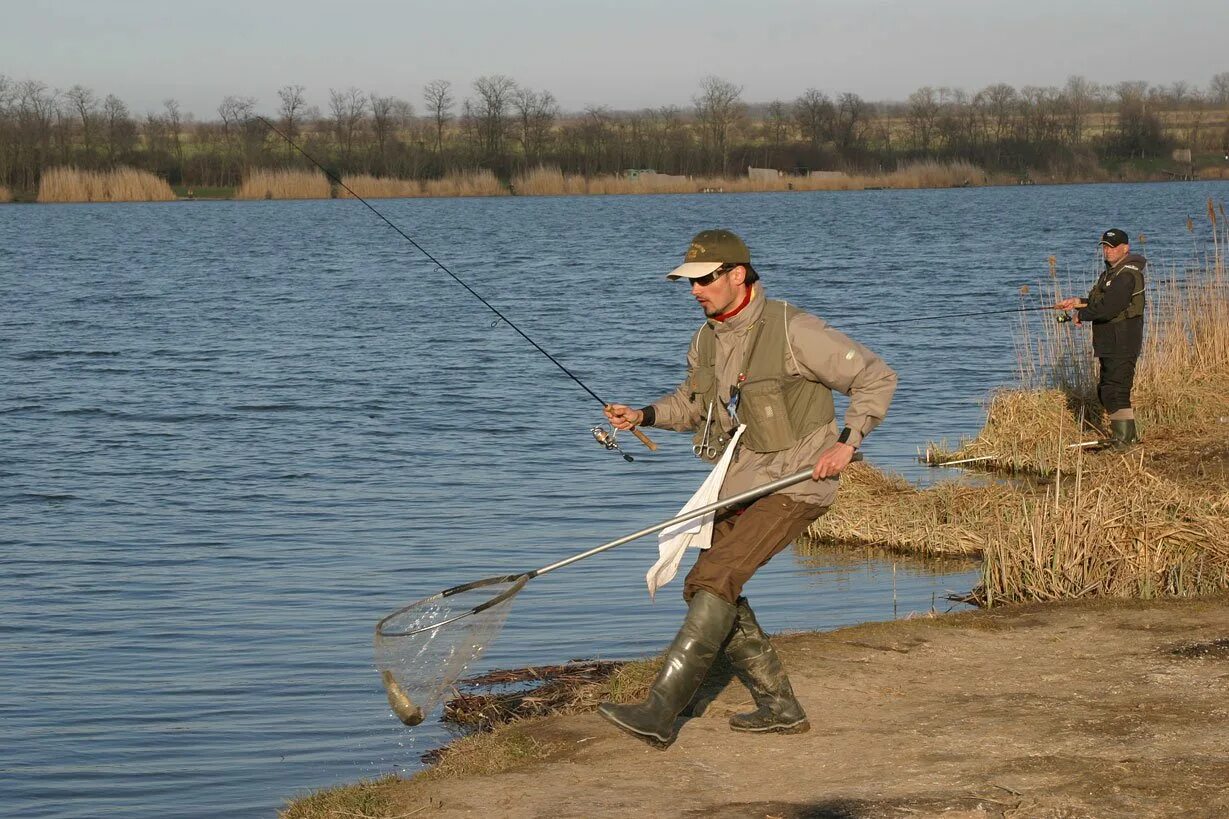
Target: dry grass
{"x":367,"y":799}
{"x":1025,"y":431}
{"x":1122,"y":533}
{"x":467,"y":183}
{"x":288,"y":184}
{"x":5,"y":195}
{"x":120,"y":185}
{"x":882,"y":510}
{"x":548,"y":181}
{"x":379,"y":187}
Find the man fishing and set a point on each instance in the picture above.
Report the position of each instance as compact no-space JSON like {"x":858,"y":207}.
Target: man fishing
{"x":1115,"y":308}
{"x":770,"y":367}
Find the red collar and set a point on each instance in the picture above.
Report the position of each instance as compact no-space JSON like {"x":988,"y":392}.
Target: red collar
{"x":736,"y":310}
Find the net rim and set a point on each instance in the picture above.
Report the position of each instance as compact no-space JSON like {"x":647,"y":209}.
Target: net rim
{"x":518,"y":582}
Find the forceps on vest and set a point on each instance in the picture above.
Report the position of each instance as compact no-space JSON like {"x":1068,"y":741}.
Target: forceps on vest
{"x":704,"y":449}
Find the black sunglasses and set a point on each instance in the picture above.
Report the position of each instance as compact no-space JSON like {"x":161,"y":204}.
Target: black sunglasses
{"x":706,"y":280}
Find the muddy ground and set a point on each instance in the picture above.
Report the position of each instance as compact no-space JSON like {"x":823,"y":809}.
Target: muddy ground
{"x":1065,"y":710}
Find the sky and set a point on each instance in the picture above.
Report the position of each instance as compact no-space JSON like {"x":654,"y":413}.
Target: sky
{"x":624,"y":54}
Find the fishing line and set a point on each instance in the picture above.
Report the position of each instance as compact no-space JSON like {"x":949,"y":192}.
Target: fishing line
{"x":952,"y":315}
{"x":334,"y":178}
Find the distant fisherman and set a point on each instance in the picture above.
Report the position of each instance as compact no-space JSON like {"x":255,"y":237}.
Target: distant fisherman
{"x":1115,"y":307}
{"x":771,"y":368}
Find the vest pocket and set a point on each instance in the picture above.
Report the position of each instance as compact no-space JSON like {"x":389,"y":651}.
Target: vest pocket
{"x":762,"y":408}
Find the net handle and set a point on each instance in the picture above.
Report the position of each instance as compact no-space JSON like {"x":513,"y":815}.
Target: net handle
{"x":700,"y":511}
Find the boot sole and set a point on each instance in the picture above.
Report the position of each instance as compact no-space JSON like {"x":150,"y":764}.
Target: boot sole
{"x":648,"y":739}
{"x":796,"y":728}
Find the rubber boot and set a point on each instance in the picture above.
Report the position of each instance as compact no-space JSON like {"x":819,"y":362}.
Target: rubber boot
{"x":1123,"y":434}
{"x":760,"y":669}
{"x":708,"y":622}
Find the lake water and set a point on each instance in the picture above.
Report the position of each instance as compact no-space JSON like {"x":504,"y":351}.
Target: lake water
{"x":234,"y":435}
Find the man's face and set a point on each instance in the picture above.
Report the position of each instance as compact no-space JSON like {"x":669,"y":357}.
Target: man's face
{"x":722,"y":294}
{"x":1114,"y":255}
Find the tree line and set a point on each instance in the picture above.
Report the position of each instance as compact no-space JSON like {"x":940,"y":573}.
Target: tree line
{"x":508,"y":127}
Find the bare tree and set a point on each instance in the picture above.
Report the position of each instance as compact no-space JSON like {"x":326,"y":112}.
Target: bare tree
{"x":438,"y":96}
{"x":293,"y":103}
{"x":536,"y":113}
{"x":777,"y":127}
{"x":174,"y":123}
{"x":491,"y":110}
{"x":1218,"y":89}
{"x":389,"y":115}
{"x":119,"y":131}
{"x":348,"y":108}
{"x":816,"y":117}
{"x":719,"y":109}
{"x":922,"y":116}
{"x":1077,"y":101}
{"x":85,"y":103}
{"x":851,"y":115}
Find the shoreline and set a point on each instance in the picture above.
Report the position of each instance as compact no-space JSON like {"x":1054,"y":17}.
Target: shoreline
{"x":1102,"y":707}
{"x":26,"y":198}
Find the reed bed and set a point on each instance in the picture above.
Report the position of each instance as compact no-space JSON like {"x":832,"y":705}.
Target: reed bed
{"x":466,"y":183}
{"x":550,"y":181}
{"x":66,"y":184}
{"x":882,"y":510}
{"x":379,"y":187}
{"x":285,"y":184}
{"x":5,"y":195}
{"x":1127,"y":534}
{"x":1025,"y":431}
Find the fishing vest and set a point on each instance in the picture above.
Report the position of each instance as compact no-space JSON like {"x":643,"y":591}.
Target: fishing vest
{"x":778,"y":409}
{"x":1132,"y":265}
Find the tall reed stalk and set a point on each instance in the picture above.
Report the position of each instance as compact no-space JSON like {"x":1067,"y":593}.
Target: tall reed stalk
{"x":5,"y":195}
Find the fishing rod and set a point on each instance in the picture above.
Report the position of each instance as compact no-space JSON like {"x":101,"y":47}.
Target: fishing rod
{"x":603,"y":436}
{"x":1060,"y":318}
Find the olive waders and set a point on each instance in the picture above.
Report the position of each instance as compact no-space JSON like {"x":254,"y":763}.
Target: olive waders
{"x":1123,"y":434}
{"x":760,"y":669}
{"x":688,"y":660}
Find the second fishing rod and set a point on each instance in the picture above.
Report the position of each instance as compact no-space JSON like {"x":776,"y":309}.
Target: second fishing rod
{"x":607,"y":438}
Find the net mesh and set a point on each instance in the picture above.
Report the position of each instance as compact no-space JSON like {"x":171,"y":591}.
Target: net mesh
{"x":424,"y":648}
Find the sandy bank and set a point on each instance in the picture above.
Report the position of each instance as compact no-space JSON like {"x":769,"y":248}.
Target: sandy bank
{"x":1086,"y":709}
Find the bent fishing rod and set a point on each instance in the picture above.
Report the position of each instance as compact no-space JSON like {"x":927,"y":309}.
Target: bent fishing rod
{"x":603,"y":436}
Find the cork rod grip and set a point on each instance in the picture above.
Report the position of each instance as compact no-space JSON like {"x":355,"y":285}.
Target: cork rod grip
{"x":644,"y":439}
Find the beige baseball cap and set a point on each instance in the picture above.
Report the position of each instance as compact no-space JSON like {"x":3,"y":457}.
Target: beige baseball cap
{"x":708,"y":251}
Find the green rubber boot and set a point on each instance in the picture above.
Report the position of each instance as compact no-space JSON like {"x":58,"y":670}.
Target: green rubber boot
{"x":760,"y":669}
{"x":1123,"y":434}
{"x":708,"y":622}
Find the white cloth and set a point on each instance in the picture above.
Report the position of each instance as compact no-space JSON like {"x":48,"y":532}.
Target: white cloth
{"x":698,"y":532}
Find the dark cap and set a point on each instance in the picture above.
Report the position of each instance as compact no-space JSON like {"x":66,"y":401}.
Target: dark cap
{"x":1114,"y":237}
{"x":710,"y":250}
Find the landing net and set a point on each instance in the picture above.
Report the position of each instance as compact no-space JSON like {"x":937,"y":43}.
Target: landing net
{"x":423,"y":649}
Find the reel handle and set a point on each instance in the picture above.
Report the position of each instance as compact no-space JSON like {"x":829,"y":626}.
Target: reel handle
{"x":644,"y":439}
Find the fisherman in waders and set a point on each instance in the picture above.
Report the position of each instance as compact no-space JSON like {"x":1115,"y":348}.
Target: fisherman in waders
{"x":769,"y":366}
{"x":1115,"y":308}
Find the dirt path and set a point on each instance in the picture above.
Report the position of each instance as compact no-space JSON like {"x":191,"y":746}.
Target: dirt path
{"x":1066,"y":710}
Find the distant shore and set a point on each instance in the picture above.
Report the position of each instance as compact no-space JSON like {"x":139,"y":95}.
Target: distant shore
{"x":66,"y":185}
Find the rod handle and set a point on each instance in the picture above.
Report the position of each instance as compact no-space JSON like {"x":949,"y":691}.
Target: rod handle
{"x":644,"y":439}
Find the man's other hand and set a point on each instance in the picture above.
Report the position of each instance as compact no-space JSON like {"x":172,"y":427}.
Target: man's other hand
{"x":832,"y":461}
